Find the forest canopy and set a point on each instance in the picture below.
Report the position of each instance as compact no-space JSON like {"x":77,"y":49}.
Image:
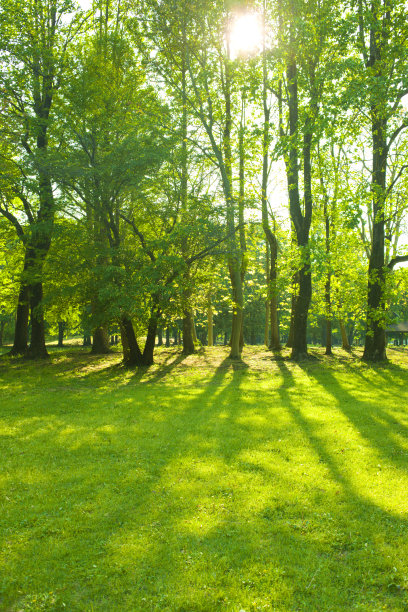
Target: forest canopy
{"x":211,"y":171}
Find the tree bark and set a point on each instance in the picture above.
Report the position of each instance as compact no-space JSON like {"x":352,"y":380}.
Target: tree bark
{"x":188,"y":342}
{"x":37,"y":348}
{"x":148,"y":352}
{"x":375,"y":341}
{"x":344,"y":339}
{"x":21,"y":328}
{"x":210,"y":326}
{"x":100,"y":343}
{"x":132,"y":355}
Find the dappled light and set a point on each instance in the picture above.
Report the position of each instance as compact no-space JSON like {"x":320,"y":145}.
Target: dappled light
{"x":244,"y":487}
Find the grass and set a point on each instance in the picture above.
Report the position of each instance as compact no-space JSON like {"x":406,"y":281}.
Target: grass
{"x":203,"y":485}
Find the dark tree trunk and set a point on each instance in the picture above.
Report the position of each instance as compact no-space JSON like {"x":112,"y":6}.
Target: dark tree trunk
{"x":327,"y":287}
{"x":100,"y":344}
{"x":148,"y":351}
{"x":37,"y":348}
{"x":21,"y":329}
{"x":167,"y":336}
{"x":132,"y":355}
{"x":289,"y":342}
{"x":175,"y":336}
{"x":299,"y":348}
{"x":375,"y":341}
{"x":188,"y":342}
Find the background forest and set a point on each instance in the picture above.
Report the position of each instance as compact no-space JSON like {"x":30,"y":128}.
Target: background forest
{"x":203,"y":172}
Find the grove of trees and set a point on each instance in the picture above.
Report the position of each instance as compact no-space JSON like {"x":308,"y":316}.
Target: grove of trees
{"x":161,"y":184}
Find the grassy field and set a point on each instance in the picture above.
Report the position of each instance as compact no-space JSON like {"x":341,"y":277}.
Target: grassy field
{"x":203,"y":485}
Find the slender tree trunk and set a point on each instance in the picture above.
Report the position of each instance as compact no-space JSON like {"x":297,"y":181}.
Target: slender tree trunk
{"x":272,"y":310}
{"x":167,"y":337}
{"x":327,"y":288}
{"x":344,"y":339}
{"x":210,"y":325}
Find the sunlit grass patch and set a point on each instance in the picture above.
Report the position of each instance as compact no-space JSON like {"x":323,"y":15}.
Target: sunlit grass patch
{"x":198,"y":484}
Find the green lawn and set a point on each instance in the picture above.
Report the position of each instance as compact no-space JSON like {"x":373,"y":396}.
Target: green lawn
{"x":202,"y":485}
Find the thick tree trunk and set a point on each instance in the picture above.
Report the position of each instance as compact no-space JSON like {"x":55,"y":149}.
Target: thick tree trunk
{"x":132,"y":355}
{"x":328,"y":337}
{"x":344,"y":339}
{"x":148,"y":351}
{"x":375,"y":341}
{"x":100,"y":344}
{"x":37,"y":348}
{"x":301,"y":219}
{"x":188,"y":342}
{"x":21,"y":328}
{"x":299,"y":347}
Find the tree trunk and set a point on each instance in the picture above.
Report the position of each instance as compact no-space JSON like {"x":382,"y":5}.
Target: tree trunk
{"x":132,"y":355}
{"x":188,"y":342}
{"x":210,"y":326}
{"x":100,"y":344}
{"x":237,"y":296}
{"x":167,"y":337}
{"x":327,"y":287}
{"x":21,"y":328}
{"x":299,"y":348}
{"x":148,"y":351}
{"x":37,"y":348}
{"x":344,"y":339}
{"x":375,"y":342}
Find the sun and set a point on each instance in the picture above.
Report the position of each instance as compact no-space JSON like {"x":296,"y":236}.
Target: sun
{"x":245,"y":34}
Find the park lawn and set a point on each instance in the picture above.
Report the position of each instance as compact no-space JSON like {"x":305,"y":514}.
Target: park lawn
{"x":204,"y":485}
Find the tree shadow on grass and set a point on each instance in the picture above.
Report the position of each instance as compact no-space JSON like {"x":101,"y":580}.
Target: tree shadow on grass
{"x":170,"y":504}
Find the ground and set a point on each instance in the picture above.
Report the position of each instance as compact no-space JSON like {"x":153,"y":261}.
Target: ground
{"x":202,"y":485}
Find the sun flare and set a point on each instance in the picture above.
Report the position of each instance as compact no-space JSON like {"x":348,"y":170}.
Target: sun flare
{"x":246,"y":34}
